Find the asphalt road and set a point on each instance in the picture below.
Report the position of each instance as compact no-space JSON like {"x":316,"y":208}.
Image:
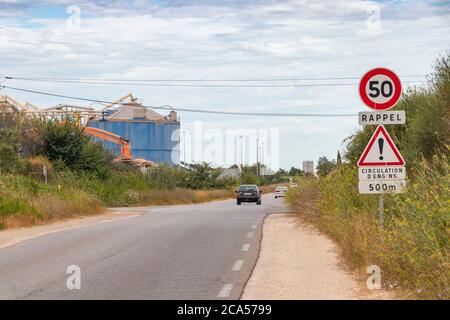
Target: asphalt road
{"x":204,"y":251}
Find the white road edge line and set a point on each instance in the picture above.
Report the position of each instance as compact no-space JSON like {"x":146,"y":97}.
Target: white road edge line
{"x":245,"y":247}
{"x":106,"y":221}
{"x":225,"y":291}
{"x":237,"y":266}
{"x":250,"y":235}
{"x":129,"y":217}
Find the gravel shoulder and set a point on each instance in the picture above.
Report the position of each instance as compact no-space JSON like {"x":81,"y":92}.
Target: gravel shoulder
{"x":300,"y":263}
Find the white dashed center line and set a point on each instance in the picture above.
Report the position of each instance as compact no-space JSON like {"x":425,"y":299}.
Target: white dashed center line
{"x":226,"y":291}
{"x":254,"y":226}
{"x":245,"y":247}
{"x":250,"y":235}
{"x":237,"y":266}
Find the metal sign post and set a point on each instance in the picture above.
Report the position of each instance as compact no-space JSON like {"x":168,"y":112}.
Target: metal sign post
{"x":381,"y":210}
{"x":45,"y":173}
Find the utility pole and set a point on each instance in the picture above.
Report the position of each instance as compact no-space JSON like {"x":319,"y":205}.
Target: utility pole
{"x":184,"y":146}
{"x":257,"y":157}
{"x":262,"y":154}
{"x":242,"y":163}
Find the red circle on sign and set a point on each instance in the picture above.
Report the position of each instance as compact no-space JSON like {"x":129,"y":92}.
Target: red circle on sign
{"x":397,"y":88}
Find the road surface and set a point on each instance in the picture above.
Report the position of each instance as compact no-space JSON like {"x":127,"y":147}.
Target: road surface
{"x":204,"y":251}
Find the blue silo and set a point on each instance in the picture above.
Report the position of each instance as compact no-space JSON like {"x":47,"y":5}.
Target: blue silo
{"x":152,"y":136}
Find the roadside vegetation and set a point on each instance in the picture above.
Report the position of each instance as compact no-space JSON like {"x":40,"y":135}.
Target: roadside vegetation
{"x":413,"y":247}
{"x":83,"y":179}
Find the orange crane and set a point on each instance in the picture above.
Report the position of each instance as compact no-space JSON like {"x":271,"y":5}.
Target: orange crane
{"x":125,"y":148}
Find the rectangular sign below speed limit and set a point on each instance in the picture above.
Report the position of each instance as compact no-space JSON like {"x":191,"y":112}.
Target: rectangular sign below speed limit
{"x":381,"y":186}
{"x":381,"y":117}
{"x":381,"y":173}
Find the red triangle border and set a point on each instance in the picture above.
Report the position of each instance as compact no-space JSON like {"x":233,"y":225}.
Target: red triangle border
{"x":401,"y":161}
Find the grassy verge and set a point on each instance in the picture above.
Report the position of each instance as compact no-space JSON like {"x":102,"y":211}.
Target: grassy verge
{"x":26,"y":201}
{"x":412,"y":249}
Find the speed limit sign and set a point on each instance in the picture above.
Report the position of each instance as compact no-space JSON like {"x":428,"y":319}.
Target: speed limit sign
{"x":380,"y":89}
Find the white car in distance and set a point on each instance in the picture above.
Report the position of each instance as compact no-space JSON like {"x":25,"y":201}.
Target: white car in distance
{"x":280,"y":192}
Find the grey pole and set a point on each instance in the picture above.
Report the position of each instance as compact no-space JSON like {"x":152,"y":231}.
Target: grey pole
{"x":262,"y":154}
{"x":184,"y":146}
{"x":381,"y":210}
{"x":257,"y":157}
{"x":242,"y":164}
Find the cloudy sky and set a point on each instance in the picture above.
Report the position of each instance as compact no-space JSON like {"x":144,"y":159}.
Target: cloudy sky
{"x":206,"y":39}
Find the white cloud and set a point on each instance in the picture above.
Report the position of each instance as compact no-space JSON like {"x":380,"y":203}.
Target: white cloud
{"x":283,"y":39}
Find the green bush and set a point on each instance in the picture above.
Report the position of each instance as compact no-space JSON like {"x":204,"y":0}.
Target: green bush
{"x":418,"y":223}
{"x":9,"y":152}
{"x":63,"y":142}
{"x":9,"y":159}
{"x":71,"y":148}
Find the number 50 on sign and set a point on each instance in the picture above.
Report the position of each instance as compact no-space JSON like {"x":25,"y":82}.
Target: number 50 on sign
{"x":380,"y":89}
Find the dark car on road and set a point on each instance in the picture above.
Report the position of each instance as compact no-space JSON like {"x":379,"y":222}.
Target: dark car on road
{"x":248,"y":193}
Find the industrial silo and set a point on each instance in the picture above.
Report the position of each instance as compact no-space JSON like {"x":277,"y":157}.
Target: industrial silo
{"x":152,"y":136}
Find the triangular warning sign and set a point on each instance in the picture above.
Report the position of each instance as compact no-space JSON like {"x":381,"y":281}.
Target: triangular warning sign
{"x":381,"y":151}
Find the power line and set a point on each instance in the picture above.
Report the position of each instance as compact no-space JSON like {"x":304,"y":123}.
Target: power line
{"x":168,"y":107}
{"x":196,"y":84}
{"x":201,"y":80}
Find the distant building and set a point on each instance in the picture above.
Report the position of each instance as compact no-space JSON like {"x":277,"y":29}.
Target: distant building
{"x":152,"y":136}
{"x":308,"y":167}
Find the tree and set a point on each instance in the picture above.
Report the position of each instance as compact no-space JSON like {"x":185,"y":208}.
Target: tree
{"x":63,"y":142}
{"x":295,"y":171}
{"x":325,"y":166}
{"x":30,"y":137}
{"x":67,"y":144}
{"x":9,"y":151}
{"x":338,"y":158}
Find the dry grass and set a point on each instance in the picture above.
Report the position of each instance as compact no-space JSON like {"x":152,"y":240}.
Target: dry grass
{"x":413,"y":248}
{"x":50,"y":207}
{"x":181,"y":196}
{"x":270,"y":188}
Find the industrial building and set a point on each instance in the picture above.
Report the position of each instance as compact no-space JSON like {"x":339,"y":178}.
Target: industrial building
{"x":308,"y":167}
{"x":124,"y":123}
{"x":152,"y":136}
